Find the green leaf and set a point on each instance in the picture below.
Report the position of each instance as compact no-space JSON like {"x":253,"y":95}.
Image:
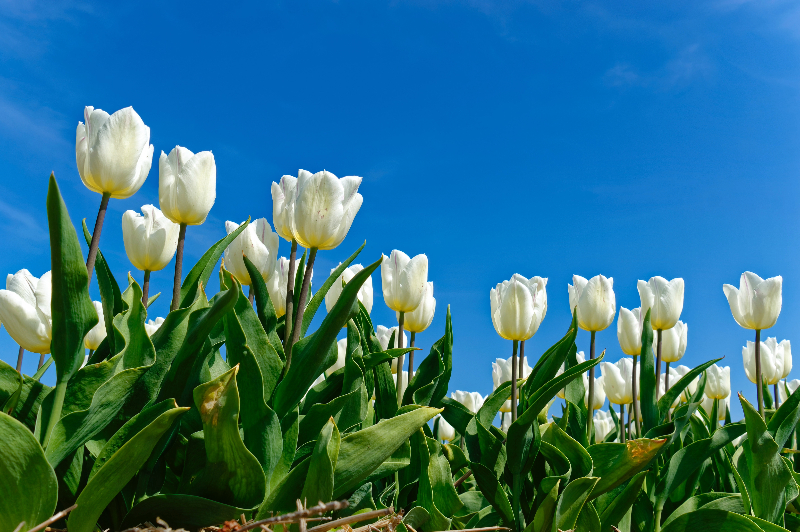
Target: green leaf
{"x":550,"y":362}
{"x":668,"y":399}
{"x":615,"y":463}
{"x":712,"y":521}
{"x":578,"y":457}
{"x":319,"y":480}
{"x":546,"y":512}
{"x":716,"y":501}
{"x":27,"y":482}
{"x":456,"y":414}
{"x":283,"y":497}
{"x":572,"y":500}
{"x":118,"y":471}
{"x":783,"y":421}
{"x":10,"y":387}
{"x":623,"y":502}
{"x":428,"y":387}
{"x":184,"y":511}
{"x":266,"y":310}
{"x":647,"y":379}
{"x":232,"y":474}
{"x":436,"y":492}
{"x":110,"y":294}
{"x":493,"y":491}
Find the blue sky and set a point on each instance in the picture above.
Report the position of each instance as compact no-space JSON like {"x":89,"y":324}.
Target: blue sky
{"x":543,"y":138}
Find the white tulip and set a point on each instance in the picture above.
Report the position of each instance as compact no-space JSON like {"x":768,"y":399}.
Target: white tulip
{"x":722,"y":406}
{"x":150,"y":238}
{"x":599,"y":392}
{"x":364,"y":293}
{"x":689,"y":391}
{"x":757,"y":302}
{"x":318,"y":380}
{"x":618,"y":381}
{"x":594,"y":300}
{"x":384,"y":334}
{"x":97,"y":333}
{"x":421,"y":318}
{"x":505,"y":420}
{"x":792,"y":385}
{"x":662,"y":388}
{"x":673,"y":342}
{"x":501,"y":372}
{"x":772,"y":358}
{"x":787,"y":358}
{"x":278,"y":283}
{"x":404,"y":384}
{"x":581,"y":358}
{"x":718,"y":383}
{"x":187,"y":185}
{"x":323,"y":209}
{"x":341,"y":348}
{"x":283,"y":194}
{"x":403,"y":280}
{"x":445,"y":430}
{"x":629,"y":331}
{"x":518,"y":306}
{"x":259,"y":244}
{"x":472,"y":400}
{"x":153,"y":325}
{"x":113,"y":152}
{"x":603,"y":425}
{"x":25,"y":310}
{"x":664,"y":299}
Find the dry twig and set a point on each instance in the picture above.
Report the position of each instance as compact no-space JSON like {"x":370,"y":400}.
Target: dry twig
{"x":295,"y":517}
{"x":352,"y":519}
{"x":59,"y":515}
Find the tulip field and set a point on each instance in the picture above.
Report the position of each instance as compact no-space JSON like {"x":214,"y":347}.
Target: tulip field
{"x":232,"y":413}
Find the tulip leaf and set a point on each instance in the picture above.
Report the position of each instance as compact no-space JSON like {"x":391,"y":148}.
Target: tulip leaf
{"x":290,"y":428}
{"x":10,"y":386}
{"x":318,"y":485}
{"x":266,"y":310}
{"x":560,"y":467}
{"x":493,"y":491}
{"x":110,"y":294}
{"x":318,"y":416}
{"x":550,"y":362}
{"x":319,"y":297}
{"x":314,"y":353}
{"x":616,"y":510}
{"x":572,"y":501}
{"x":615,"y":463}
{"x":717,"y":501}
{"x":184,"y":511}
{"x":579,"y":458}
{"x":783,"y":421}
{"x":429,"y":384}
{"x":27,"y":482}
{"x":647,"y":378}
{"x":711,"y":520}
{"x":456,"y":414}
{"x":669,"y":398}
{"x":117,"y":471}
{"x":436,"y":492}
{"x":201,"y":272}
{"x":385,"y":391}
{"x":324,"y":392}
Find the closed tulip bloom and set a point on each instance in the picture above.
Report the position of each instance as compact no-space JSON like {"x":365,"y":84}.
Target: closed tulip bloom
{"x":618,"y":381}
{"x":444,"y":430}
{"x":150,"y":238}
{"x":97,"y":333}
{"x":599,"y":392}
{"x":664,"y":299}
{"x":771,"y":360}
{"x":787,"y":358}
{"x":403,"y":280}
{"x":404,"y":384}
{"x":341,"y":347}
{"x":472,"y":400}
{"x":629,"y":331}
{"x":259,"y":244}
{"x":757,"y":302}
{"x":324,"y":209}
{"x":421,"y":318}
{"x":603,"y":425}
{"x":277,"y":284}
{"x":518,"y":306}
{"x":113,"y":152}
{"x":151,"y":326}
{"x":689,"y":391}
{"x":384,"y":334}
{"x":581,"y":358}
{"x":283,"y":194}
{"x":791,"y":386}
{"x":364,"y":293}
{"x":187,"y":185}
{"x":501,"y":372}
{"x":25,"y":310}
{"x":722,"y":406}
{"x":673,"y":342}
{"x":718,"y":384}
{"x":662,"y":388}
{"x":594,"y":300}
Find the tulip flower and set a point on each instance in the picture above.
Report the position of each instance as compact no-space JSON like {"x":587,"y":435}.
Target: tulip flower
{"x":283,"y":194}
{"x":673,"y":345}
{"x":341,"y":347}
{"x":504,"y":370}
{"x":97,"y":333}
{"x":788,"y":389}
{"x":580,"y":357}
{"x":152,"y":326}
{"x":722,"y":406}
{"x":772,"y":361}
{"x":259,"y":244}
{"x":150,"y":241}
{"x":401,"y":382}
{"x":664,"y":299}
{"x":505,"y":421}
{"x":444,"y":430}
{"x":472,"y":400}
{"x":603,"y":425}
{"x":598,"y":392}
{"x":25,"y":312}
{"x":718,"y":383}
{"x":187,"y":188}
{"x":618,"y":384}
{"x":629,"y":334}
{"x":384,"y":334}
{"x":278,"y":283}
{"x":756,"y":306}
{"x":679,"y":372}
{"x":419,"y":319}
{"x":114,"y":154}
{"x":664,"y":384}
{"x":364,"y":293}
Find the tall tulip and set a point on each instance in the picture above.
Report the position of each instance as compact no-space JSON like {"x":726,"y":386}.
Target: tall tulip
{"x":419,"y":319}
{"x":629,"y":334}
{"x":756,"y":305}
{"x":283,"y":194}
{"x":580,"y":357}
{"x":150,"y":241}
{"x":787,"y":367}
{"x":773,"y":358}
{"x":384,"y":335}
{"x":97,"y":333}
{"x":187,"y":188}
{"x":473,"y":401}
{"x":259,"y":244}
{"x":152,"y":326}
{"x":518,"y":307}
{"x":278,"y":283}
{"x":341,"y":353}
{"x":788,"y":389}
{"x":664,"y":300}
{"x":25,"y":312}
{"x":618,"y":384}
{"x":114,"y":154}
{"x":504,"y":370}
{"x":364,"y":293}
{"x":673,"y":345}
{"x":595,"y":305}
{"x":603,"y":425}
{"x":718,"y":383}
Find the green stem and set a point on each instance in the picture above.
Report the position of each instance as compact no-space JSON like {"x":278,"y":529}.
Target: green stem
{"x":516,"y":492}
{"x":657,"y":520}
{"x":622,"y":423}
{"x":658,"y":366}
{"x":514,"y":381}
{"x":176,"y":281}
{"x":759,"y":381}
{"x":55,"y":413}
{"x":98,"y":228}
{"x":590,"y":402}
{"x":398,"y":341}
{"x":287,"y":327}
{"x":301,"y":305}
{"x":635,"y":387}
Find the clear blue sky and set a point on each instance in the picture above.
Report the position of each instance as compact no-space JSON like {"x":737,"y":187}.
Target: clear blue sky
{"x":544,"y":138}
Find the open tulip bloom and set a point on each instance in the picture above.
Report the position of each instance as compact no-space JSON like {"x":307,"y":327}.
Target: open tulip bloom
{"x":25,"y":312}
{"x":755,"y":305}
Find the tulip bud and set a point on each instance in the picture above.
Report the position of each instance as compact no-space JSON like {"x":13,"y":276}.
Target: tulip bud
{"x":258,"y":243}
{"x":444,"y":430}
{"x":618,"y":381}
{"x":501,"y":372}
{"x":324,"y":208}
{"x":113,"y":153}
{"x":472,"y":400}
{"x":680,"y":372}
{"x":629,"y":331}
{"x":518,"y":306}
{"x":278,"y":282}
{"x":420,"y":319}
{"x":673,"y":342}
{"x":789,"y":387}
{"x":152,"y":326}
{"x":718,"y":384}
{"x":603,"y":425}
{"x":722,"y":406}
{"x":364,"y":293}
{"x":757,"y":302}
{"x":594,"y":300}
{"x":664,"y":299}
{"x":97,"y":333}
{"x":283,"y":194}
{"x":25,"y":310}
{"x":187,"y":185}
{"x":341,"y":348}
{"x":150,"y":238}
{"x":772,"y":358}
{"x":599,"y":392}
{"x":580,"y":358}
{"x":403,"y":280}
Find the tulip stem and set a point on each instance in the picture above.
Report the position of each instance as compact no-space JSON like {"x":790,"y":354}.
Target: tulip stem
{"x":521,"y":363}
{"x":514,"y":381}
{"x":622,"y":423}
{"x":658,"y":366}
{"x":287,"y":324}
{"x":19,"y":359}
{"x":777,"y":398}
{"x":98,"y":228}
{"x":145,"y":288}
{"x":628,"y":430}
{"x":55,"y":411}
{"x":666,"y":387}
{"x":176,"y":286}
{"x":41,"y":361}
{"x":251,"y":295}
{"x":759,"y":382}
{"x":411,"y":357}
{"x":301,"y":304}
{"x":635,"y":390}
{"x":590,"y":405}
{"x":398,"y":341}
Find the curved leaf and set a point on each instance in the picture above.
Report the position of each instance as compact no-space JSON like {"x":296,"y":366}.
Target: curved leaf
{"x":615,"y":463}
{"x":266,"y":310}
{"x":493,"y":492}
{"x":712,"y":521}
{"x":572,"y":500}
{"x":185,"y":511}
{"x":668,"y":399}
{"x":318,"y":486}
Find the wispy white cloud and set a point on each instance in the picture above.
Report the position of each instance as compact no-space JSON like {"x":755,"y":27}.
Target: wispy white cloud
{"x":19,"y":225}
{"x":687,"y":66}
